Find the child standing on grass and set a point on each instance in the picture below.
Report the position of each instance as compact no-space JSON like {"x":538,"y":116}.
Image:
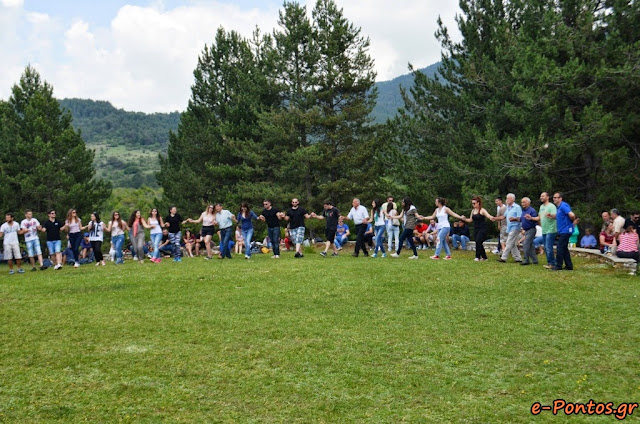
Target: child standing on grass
{"x":239,"y":241}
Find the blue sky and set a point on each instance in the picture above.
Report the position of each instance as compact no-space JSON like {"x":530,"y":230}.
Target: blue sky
{"x":140,"y":55}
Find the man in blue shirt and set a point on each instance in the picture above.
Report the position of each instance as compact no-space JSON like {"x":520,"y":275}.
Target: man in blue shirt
{"x":224,"y":221}
{"x":564,"y":217}
{"x":588,"y":241}
{"x":529,"y":228}
{"x":512,"y":216}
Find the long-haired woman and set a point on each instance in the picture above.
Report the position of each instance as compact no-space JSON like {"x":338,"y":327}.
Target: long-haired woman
{"x":73,"y":224}
{"x":117,"y":227}
{"x":393,"y":226}
{"x":479,"y":215}
{"x":136,"y":225}
{"x":410,"y":217}
{"x":378,"y":218}
{"x":156,"y":224}
{"x":442,"y":213}
{"x":96,"y":236}
{"x":245,"y":219}
{"x":207,"y":218}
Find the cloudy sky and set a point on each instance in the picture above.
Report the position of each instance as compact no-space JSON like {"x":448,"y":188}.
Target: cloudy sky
{"x":140,"y":54}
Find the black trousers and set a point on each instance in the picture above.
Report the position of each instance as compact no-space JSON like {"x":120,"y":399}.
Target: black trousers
{"x":97,"y":250}
{"x":480,"y":237}
{"x":360,"y":230}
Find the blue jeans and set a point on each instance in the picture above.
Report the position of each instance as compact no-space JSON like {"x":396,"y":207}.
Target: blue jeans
{"x":393,"y":236}
{"x":118,"y":241}
{"x":225,"y":236}
{"x":247,"y":235}
{"x":274,"y":236}
{"x":549,"y":239}
{"x":457,"y":239}
{"x":407,"y":234}
{"x":75,"y":239}
{"x":442,"y":234}
{"x":340,"y":240}
{"x":156,"y":239}
{"x":379,"y":231}
{"x":174,"y":240}
{"x":538,"y":241}
{"x":563,"y":252}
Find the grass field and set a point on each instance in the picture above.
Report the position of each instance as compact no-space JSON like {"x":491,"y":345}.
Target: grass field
{"x":315,"y":340}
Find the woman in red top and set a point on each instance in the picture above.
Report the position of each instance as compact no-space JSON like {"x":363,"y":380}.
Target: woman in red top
{"x":628,"y":244}
{"x":606,"y":238}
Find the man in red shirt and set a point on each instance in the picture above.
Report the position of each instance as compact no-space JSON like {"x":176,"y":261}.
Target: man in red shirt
{"x":420,"y":235}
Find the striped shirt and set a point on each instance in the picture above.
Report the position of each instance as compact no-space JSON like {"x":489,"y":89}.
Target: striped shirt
{"x":628,"y":242}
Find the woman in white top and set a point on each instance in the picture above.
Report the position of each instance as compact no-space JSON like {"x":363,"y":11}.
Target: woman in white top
{"x":442,"y":213}
{"x":207,"y":218}
{"x":96,"y":236}
{"x":117,"y":227}
{"x":156,"y":224}
{"x":377,"y":218}
{"x":73,"y":225}
{"x":393,"y":226}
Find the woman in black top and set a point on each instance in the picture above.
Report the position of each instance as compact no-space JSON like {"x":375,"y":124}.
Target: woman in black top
{"x":478,"y":215}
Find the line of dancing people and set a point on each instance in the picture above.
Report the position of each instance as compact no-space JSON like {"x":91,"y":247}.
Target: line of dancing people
{"x":555,"y":217}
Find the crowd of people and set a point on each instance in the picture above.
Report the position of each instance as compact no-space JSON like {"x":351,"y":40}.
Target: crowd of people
{"x":551,"y":230}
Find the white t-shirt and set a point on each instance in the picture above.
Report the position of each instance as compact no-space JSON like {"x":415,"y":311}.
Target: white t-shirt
{"x":378,"y":218}
{"x":538,"y":231}
{"x":10,"y":232}
{"x":443,"y":218}
{"x":358,"y":215}
{"x":155,"y":226}
{"x":96,"y":231}
{"x":115,"y":229}
{"x":31,"y":225}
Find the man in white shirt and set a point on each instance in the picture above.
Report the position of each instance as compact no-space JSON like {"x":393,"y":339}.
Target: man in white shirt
{"x":360,"y":217}
{"x":10,"y":230}
{"x":31,"y":226}
{"x":618,"y":223}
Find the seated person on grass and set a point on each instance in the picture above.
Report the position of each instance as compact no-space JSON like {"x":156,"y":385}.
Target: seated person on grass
{"x":165,"y":246}
{"x":462,"y":236}
{"x":588,"y":241}
{"x":420,"y":235}
{"x":368,"y":236}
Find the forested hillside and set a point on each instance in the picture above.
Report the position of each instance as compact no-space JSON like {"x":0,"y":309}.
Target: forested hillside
{"x":126,"y":143}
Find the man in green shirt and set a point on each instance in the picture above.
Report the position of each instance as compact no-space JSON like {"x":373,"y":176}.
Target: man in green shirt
{"x":549,"y":227}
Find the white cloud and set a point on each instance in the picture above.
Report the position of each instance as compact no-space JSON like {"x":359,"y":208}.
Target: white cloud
{"x":12,"y":3}
{"x":145,"y":59}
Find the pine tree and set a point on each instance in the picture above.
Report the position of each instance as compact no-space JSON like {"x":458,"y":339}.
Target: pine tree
{"x":216,"y":149}
{"x":45,"y":163}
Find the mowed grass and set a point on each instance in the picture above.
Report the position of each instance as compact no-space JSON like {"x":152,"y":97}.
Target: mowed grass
{"x":315,"y":340}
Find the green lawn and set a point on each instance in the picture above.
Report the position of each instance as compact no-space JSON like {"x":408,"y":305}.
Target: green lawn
{"x":315,"y":340}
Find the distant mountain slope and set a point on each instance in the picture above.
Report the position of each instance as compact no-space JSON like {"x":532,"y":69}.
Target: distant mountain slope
{"x":100,"y":122}
{"x":126,"y":143}
{"x":389,"y":98}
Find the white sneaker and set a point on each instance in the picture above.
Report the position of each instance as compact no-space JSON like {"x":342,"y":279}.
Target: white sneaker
{"x":76,"y":265}
{"x":413,"y":257}
{"x":394,"y":255}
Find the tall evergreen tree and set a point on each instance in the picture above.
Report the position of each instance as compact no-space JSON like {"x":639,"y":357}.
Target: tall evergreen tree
{"x":524,"y":102}
{"x":217,"y":145}
{"x":45,"y":163}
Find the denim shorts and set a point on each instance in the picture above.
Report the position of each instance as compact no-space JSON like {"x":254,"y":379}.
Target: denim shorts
{"x":33,"y":248}
{"x":54,"y":246}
